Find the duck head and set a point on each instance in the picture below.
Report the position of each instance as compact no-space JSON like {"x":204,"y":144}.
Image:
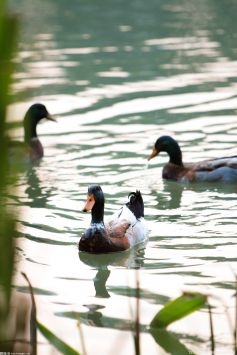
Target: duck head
{"x":170,"y":146}
{"x":34,"y":114}
{"x":95,"y":203}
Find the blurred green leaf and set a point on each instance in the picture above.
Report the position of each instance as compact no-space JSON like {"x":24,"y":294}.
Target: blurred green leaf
{"x":178,"y":308}
{"x":8,"y":36}
{"x":56,"y":342}
{"x":7,"y":226}
{"x":169,"y":342}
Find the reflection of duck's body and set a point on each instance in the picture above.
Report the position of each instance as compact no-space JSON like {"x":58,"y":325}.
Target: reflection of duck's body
{"x":32,"y":147}
{"x":124,"y":230}
{"x":219,"y":169}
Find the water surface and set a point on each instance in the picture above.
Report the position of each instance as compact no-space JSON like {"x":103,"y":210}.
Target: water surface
{"x":117,"y":76}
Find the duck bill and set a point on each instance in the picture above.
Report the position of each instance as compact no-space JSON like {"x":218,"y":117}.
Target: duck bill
{"x":154,"y":153}
{"x":90,"y":201}
{"x":50,"y":117}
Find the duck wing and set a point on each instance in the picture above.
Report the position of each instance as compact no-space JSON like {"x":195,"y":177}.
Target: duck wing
{"x":117,"y":228}
{"x":213,"y":164}
{"x":127,"y":227}
{"x":116,"y":231}
{"x":134,"y":229}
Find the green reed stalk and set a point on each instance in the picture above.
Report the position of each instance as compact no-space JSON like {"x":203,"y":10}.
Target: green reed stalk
{"x":8,"y":35}
{"x":137,"y":320}
{"x":33,"y":317}
{"x":235,"y":327}
{"x":211,"y":330}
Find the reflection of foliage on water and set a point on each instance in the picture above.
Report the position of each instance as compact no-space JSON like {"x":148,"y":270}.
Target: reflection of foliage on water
{"x":144,"y":294}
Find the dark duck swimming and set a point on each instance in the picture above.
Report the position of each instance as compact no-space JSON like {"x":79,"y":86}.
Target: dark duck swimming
{"x":122,"y":231}
{"x":31,"y":148}
{"x":223,"y":169}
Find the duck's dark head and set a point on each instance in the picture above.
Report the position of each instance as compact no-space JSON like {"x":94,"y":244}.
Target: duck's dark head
{"x":34,"y":114}
{"x":170,"y":146}
{"x":95,"y":203}
{"x":136,"y":204}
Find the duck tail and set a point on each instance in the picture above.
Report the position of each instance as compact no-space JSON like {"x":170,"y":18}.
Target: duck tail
{"x":136,"y":204}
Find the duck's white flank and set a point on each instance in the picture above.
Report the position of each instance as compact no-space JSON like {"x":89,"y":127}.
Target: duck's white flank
{"x":138,"y":231}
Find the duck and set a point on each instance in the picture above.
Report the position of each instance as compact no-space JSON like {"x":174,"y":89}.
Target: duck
{"x":123,"y":230}
{"x":223,"y":169}
{"x":31,"y":147}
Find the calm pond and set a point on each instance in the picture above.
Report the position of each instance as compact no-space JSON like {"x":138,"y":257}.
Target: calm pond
{"x":117,"y":75}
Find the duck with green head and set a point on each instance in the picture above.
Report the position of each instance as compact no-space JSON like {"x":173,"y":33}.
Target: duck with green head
{"x":123,"y":230}
{"x":223,"y":169}
{"x":32,"y":147}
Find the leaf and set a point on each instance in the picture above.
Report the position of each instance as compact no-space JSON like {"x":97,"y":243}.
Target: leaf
{"x":169,"y":342}
{"x":60,"y":345}
{"x":178,"y":308}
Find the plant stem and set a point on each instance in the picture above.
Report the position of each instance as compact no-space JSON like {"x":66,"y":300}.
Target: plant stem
{"x":211,"y":329}
{"x":33,"y":327}
{"x":137,"y":321}
{"x":235,"y":328}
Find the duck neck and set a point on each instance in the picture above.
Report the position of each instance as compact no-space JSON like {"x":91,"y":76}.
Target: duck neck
{"x":97,"y":213}
{"x":175,"y":154}
{"x":29,"y":129}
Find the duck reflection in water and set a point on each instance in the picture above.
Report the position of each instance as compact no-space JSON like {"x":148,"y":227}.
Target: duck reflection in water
{"x":37,"y":191}
{"x":100,"y":279}
{"x":130,"y":259}
{"x":171,"y":196}
{"x":93,"y":316}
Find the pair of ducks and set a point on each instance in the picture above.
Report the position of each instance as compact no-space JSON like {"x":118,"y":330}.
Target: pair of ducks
{"x":127,"y":227}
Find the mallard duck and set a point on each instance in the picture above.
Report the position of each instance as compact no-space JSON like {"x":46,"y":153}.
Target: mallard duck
{"x":125,"y":229}
{"x":32,"y":146}
{"x":220,"y":169}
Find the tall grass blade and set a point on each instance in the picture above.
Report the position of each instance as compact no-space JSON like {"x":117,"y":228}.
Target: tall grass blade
{"x":60,"y":345}
{"x":8,"y":36}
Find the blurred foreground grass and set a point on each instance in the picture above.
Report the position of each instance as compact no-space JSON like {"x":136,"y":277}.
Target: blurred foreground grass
{"x":8,"y":40}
